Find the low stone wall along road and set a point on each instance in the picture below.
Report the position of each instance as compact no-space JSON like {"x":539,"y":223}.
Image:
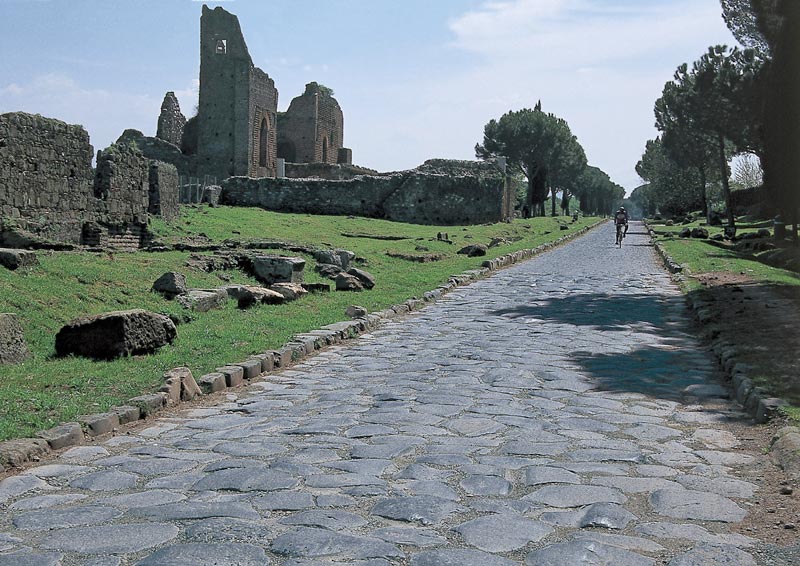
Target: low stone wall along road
{"x":560,"y":412}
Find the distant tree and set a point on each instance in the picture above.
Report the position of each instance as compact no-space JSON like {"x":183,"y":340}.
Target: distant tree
{"x":598,"y":193}
{"x":747,"y":172}
{"x":537,"y":144}
{"x":671,"y":188}
{"x":325,"y":91}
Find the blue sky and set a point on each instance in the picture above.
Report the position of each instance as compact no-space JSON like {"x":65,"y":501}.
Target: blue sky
{"x":416,"y":78}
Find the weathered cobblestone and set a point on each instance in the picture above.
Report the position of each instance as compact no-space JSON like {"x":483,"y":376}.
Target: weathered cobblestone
{"x":558,"y":411}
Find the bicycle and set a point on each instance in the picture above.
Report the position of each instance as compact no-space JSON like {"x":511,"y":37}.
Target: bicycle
{"x":620,"y":234}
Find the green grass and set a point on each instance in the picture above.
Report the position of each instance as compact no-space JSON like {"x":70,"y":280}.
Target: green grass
{"x":46,"y":390}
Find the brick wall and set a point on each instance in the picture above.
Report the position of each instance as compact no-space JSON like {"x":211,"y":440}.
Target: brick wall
{"x":312,"y":128}
{"x":171,"y":121}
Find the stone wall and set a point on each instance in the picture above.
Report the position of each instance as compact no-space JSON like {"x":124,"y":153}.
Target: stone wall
{"x":238,"y":103}
{"x":312,"y":129}
{"x":336,"y":172}
{"x":160,"y":150}
{"x":45,"y":176}
{"x":164,"y":191}
{"x":171,"y":120}
{"x":477,"y":195}
{"x":50,"y":193}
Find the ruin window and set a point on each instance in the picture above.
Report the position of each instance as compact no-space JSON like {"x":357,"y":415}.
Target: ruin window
{"x":263,"y":142}
{"x":222,"y":46}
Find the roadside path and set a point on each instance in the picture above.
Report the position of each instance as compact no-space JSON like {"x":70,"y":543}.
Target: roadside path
{"x":559,"y":412}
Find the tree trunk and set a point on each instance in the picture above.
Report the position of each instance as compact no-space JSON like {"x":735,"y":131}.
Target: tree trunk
{"x":553,"y":202}
{"x":726,"y":187}
{"x":706,"y":212}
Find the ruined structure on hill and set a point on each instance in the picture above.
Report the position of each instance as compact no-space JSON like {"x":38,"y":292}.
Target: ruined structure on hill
{"x":238,"y":107}
{"x":171,"y":121}
{"x":312,"y":129}
{"x":49,"y":191}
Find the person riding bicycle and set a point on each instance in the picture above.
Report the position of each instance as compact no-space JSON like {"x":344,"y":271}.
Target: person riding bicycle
{"x":621,"y":217}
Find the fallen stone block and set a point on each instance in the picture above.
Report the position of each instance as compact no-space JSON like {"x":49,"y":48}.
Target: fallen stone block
{"x":186,"y":385}
{"x":290,"y":291}
{"x":14,"y":259}
{"x":328,"y":270}
{"x":316,"y":287}
{"x":203,"y":300}
{"x":355,"y":311}
{"x":278,"y":269}
{"x":212,"y":382}
{"x":14,"y":453}
{"x":170,"y":285}
{"x":234,"y":375}
{"x":99,"y":423}
{"x":249,"y":295}
{"x":366,"y":278}
{"x":250,"y":368}
{"x":13,"y":348}
{"x":347,"y":282}
{"x":473,"y":250}
{"x":126,"y":413}
{"x":115,"y":334}
{"x":149,"y":404}
{"x":63,"y":435}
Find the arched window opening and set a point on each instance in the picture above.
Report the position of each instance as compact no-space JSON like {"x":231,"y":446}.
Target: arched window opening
{"x":263,"y":142}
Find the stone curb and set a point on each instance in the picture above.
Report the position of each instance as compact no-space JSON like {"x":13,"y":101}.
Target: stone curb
{"x":180,"y":385}
{"x":756,"y":401}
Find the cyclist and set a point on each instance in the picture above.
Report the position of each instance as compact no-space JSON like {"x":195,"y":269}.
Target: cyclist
{"x":621,"y":218}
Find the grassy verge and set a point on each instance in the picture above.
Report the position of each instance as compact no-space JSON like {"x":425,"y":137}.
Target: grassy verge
{"x":46,"y":390}
{"x":745,"y":293}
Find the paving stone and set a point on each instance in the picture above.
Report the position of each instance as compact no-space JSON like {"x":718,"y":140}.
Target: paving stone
{"x":485,"y":485}
{"x":246,"y":479}
{"x":635,"y":485}
{"x":30,"y":559}
{"x":410,"y":536}
{"x":55,"y":470}
{"x":606,"y":515}
{"x":45,"y":501}
{"x":691,"y":532}
{"x":727,"y":486}
{"x":585,"y":553}
{"x":343,"y":480}
{"x":502,"y":533}
{"x":620,"y":541}
{"x":14,"y":486}
{"x":110,"y":480}
{"x":227,"y":530}
{"x":143,"y":499}
{"x":110,"y":539}
{"x":458,"y":557}
{"x":424,"y":509}
{"x":48,"y":519}
{"x":83,"y":454}
{"x":311,"y":543}
{"x":198,"y":554}
{"x":195,"y":510}
{"x":575,"y":495}
{"x":713,"y":555}
{"x":330,"y":519}
{"x":696,"y":505}
{"x":547,"y":474}
{"x":284,"y":501}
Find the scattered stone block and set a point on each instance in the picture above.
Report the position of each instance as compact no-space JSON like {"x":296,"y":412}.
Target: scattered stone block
{"x":99,"y":423}
{"x":170,"y":285}
{"x":278,"y":269}
{"x":115,"y":334}
{"x":13,"y":348}
{"x":685,"y":233}
{"x":63,"y":435}
{"x":250,"y":368}
{"x":289,"y":291}
{"x":234,"y":375}
{"x":249,"y":295}
{"x":354,"y":311}
{"x":126,"y":413}
{"x":316,"y":287}
{"x":14,"y":259}
{"x":338,"y":258}
{"x":328,"y":270}
{"x":149,"y":404}
{"x":14,"y":453}
{"x":367,"y":279}
{"x":473,"y":250}
{"x":203,"y":300}
{"x":699,"y":233}
{"x":187,"y":386}
{"x":347,"y":282}
{"x":212,"y":382}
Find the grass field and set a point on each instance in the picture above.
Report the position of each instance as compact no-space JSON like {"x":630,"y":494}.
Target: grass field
{"x":47,"y":390}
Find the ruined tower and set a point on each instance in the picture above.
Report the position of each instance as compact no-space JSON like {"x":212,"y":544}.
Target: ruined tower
{"x":312,"y":129}
{"x":171,"y":121}
{"x":238,"y":106}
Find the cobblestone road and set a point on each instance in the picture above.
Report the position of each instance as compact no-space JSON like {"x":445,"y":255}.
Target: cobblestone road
{"x":558,"y":413}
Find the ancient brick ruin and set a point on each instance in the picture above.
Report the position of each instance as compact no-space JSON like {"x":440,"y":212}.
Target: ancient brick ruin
{"x":49,"y":191}
{"x":440,"y":192}
{"x":171,"y":121}
{"x":237,"y":112}
{"x":312,"y":129}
